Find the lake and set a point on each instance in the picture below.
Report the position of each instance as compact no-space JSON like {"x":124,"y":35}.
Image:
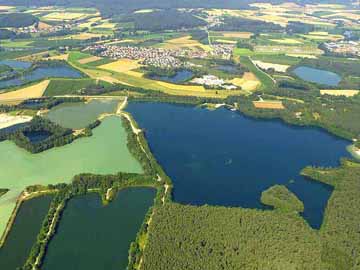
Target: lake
{"x":228,"y":69}
{"x":41,"y":73}
{"x":16,"y":64}
{"x":79,"y":115}
{"x":92,"y":236}
{"x":23,"y":233}
{"x":225,"y":158}
{"x":179,"y":77}
{"x":317,"y":75}
{"x":105,"y":152}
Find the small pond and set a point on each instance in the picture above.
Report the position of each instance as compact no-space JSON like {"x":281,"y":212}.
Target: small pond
{"x":228,"y":69}
{"x":37,"y":136}
{"x":179,"y":77}
{"x":318,"y":76}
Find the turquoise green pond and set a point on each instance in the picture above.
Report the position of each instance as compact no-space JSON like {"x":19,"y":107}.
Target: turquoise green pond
{"x":92,"y":236}
{"x":105,"y":152}
{"x":24,"y":231}
{"x":79,"y":115}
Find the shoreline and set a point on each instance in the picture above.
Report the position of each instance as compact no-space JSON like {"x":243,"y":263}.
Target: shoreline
{"x":354,"y":151}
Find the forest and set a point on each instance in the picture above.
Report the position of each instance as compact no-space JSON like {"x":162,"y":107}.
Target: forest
{"x":17,"y":20}
{"x":246,"y":25}
{"x":169,"y":19}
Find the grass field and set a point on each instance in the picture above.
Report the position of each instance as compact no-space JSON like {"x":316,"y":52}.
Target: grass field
{"x":33,"y":91}
{"x":89,"y":60}
{"x":289,"y":41}
{"x":58,"y":87}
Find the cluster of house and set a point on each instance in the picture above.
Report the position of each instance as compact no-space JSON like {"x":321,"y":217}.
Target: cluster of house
{"x":214,"y":82}
{"x":222,"y":51}
{"x":344,"y":47}
{"x":157,"y":57}
{"x":38,"y":28}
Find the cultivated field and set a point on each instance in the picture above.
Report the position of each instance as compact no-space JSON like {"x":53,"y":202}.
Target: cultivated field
{"x":248,"y":82}
{"x":185,"y":42}
{"x":269,"y":104}
{"x":347,"y":93}
{"x":276,"y":67}
{"x":33,"y":91}
{"x":122,"y":65}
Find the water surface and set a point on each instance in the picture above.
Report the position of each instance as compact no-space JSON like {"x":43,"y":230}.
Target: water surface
{"x":92,"y":236}
{"x":16,"y":64}
{"x":317,"y":75}
{"x":179,"y":77}
{"x":24,"y":231}
{"x":224,"y":158}
{"x":42,"y":73}
{"x":79,"y":115}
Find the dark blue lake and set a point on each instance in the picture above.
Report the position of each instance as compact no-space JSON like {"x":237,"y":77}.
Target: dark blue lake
{"x":317,"y":75}
{"x":180,"y":76}
{"x":225,"y":158}
{"x":41,"y":73}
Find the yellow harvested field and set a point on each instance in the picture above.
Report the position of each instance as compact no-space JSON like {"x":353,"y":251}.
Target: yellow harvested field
{"x":33,"y":91}
{"x":59,"y":16}
{"x":302,"y":55}
{"x":172,"y":86}
{"x":269,"y":104}
{"x":81,"y":36}
{"x":226,"y":41}
{"x":248,"y":82}
{"x":237,"y":34}
{"x":144,"y":11}
{"x":346,"y":93}
{"x":64,"y":57}
{"x":286,"y":41}
{"x":4,"y":8}
{"x":134,"y":73}
{"x":276,"y":67}
{"x":122,"y":65}
{"x":44,"y":26}
{"x":185,"y":42}
{"x":89,"y":60}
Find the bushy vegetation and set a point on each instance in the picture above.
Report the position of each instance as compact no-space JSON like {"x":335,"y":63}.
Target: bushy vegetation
{"x":340,"y":233}
{"x":206,"y":237}
{"x":281,"y":198}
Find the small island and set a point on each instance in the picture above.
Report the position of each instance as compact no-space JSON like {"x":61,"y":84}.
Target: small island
{"x":280,"y":197}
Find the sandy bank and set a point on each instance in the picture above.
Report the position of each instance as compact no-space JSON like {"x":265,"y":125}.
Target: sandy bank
{"x":9,"y":120}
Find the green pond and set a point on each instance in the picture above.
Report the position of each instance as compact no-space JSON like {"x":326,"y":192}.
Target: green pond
{"x":92,"y":236}
{"x":24,"y":231}
{"x":105,"y":152}
{"x":79,"y":115}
